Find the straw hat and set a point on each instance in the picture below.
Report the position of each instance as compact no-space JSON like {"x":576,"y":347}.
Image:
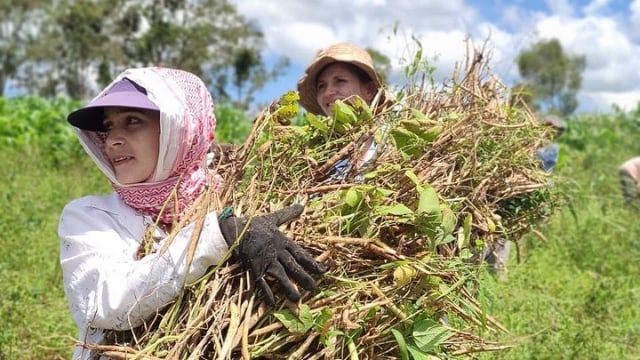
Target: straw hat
{"x":342,"y":52}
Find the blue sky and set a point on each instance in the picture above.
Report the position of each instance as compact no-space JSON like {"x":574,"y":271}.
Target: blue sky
{"x":607,"y":32}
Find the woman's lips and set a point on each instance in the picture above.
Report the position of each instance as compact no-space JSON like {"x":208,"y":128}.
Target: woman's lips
{"x":121,"y":160}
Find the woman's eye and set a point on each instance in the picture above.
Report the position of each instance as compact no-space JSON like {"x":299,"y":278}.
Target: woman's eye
{"x":133,"y":120}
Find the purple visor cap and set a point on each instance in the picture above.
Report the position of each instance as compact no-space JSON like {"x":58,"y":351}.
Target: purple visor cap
{"x":124,"y":93}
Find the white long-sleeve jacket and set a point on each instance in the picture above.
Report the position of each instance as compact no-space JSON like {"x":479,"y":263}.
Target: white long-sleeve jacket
{"x":107,"y":288}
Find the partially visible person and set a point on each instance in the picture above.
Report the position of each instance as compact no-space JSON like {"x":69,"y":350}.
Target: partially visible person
{"x":549,"y":154}
{"x":497,"y":254}
{"x":629,"y":173}
{"x":125,"y":255}
{"x":341,"y":72}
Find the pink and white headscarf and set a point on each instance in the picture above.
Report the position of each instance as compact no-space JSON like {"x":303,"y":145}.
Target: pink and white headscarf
{"x":187,"y":124}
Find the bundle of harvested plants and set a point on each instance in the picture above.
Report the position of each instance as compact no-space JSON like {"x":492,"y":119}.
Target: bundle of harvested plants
{"x":453,"y":168}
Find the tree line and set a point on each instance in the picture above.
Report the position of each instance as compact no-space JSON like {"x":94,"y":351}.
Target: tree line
{"x":75,"y":47}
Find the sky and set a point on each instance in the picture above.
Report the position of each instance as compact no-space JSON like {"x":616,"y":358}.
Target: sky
{"x":606,"y":32}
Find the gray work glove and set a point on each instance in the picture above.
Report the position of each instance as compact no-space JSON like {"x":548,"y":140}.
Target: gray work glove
{"x":263,"y":250}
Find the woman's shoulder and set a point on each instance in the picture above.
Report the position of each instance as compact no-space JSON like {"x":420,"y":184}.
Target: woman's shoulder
{"x":95,"y":212}
{"x":109,"y":203}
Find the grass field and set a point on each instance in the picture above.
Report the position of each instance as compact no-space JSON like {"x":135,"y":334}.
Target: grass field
{"x":35,"y":322}
{"x":574,"y":295}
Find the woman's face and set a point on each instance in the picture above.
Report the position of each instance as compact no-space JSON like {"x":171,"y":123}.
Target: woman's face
{"x":338,"y":81}
{"x":132,"y":143}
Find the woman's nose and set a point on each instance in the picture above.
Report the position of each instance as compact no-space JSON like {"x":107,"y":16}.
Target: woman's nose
{"x":331,"y":89}
{"x":114,"y":137}
{"x":328,"y":92}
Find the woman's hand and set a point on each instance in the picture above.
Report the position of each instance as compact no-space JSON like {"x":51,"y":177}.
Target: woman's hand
{"x":263,"y":249}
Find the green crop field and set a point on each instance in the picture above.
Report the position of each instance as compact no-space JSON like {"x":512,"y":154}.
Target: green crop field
{"x":575,"y":295}
{"x":572,"y":291}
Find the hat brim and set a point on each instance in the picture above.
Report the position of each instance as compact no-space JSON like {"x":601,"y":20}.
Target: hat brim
{"x":307,"y":84}
{"x":91,"y":117}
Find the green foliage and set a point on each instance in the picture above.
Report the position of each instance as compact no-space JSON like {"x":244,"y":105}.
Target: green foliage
{"x":574,"y":296}
{"x":232,"y":126}
{"x":75,"y":37}
{"x":551,"y":77}
{"x":35,"y":322}
{"x":41,"y":159}
{"x":34,"y":125}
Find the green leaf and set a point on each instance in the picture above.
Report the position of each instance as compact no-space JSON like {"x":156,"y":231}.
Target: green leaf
{"x":465,"y":254}
{"x":402,"y":345}
{"x":429,"y":202}
{"x":322,"y":318}
{"x":397,"y":210}
{"x":467,"y":228}
{"x":327,"y":338}
{"x":432,"y":133}
{"x":454,"y":116}
{"x":343,"y":113}
{"x":418,"y":115}
{"x":315,"y":122}
{"x":449,"y":219}
{"x":446,"y":239}
{"x":429,"y":335}
{"x":352,"y":197}
{"x":416,"y":354}
{"x":383,"y":192}
{"x":411,"y":175}
{"x":406,"y":141}
{"x":296,"y":324}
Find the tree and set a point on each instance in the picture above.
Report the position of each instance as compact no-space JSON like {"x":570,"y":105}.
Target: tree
{"x":382,"y":64}
{"x":15,"y":19}
{"x":206,"y":37}
{"x":551,"y":78}
{"x":71,"y":48}
{"x":250,"y":75}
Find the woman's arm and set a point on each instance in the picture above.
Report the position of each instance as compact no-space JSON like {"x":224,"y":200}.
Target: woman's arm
{"x":104,"y":283}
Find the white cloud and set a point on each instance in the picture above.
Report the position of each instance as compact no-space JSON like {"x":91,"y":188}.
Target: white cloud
{"x":363,"y":22}
{"x":560,"y":7}
{"x":596,"y":6}
{"x":601,"y":101}
{"x":298,"y":29}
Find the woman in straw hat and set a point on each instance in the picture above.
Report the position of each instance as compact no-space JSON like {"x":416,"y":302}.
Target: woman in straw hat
{"x":149,"y":132}
{"x":340,"y":72}
{"x":337,"y":73}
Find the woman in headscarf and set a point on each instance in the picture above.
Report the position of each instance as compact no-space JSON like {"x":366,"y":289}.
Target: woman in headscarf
{"x":149,"y":132}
